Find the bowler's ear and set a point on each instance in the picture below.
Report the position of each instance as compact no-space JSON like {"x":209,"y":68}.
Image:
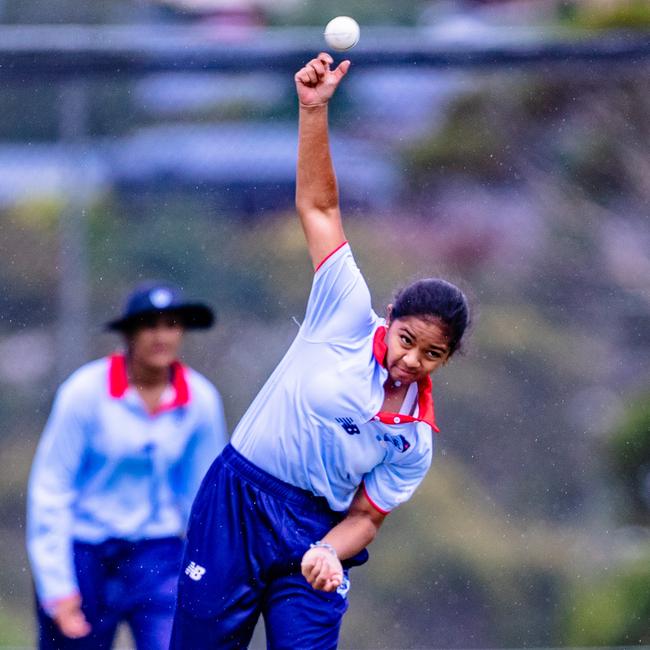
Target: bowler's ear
{"x":389,"y":314}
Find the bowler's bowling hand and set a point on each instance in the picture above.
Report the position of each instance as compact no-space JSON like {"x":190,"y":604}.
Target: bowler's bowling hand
{"x":316,"y":82}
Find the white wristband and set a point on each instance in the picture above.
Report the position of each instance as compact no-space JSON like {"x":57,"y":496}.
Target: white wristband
{"x":325,"y":545}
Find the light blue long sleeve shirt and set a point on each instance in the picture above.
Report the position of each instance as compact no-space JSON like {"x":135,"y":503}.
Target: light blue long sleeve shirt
{"x":107,"y":468}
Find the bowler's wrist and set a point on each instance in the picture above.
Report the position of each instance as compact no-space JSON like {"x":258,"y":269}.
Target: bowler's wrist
{"x":313,"y":108}
{"x":325,"y":546}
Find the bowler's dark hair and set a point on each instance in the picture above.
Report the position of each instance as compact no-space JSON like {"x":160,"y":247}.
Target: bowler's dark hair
{"x":437,"y":300}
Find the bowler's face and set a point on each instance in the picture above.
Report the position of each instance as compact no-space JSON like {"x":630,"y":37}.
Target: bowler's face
{"x":417,"y":347}
{"x":156,"y":342}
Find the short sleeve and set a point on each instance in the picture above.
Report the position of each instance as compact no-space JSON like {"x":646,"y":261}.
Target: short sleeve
{"x":389,"y":485}
{"x":339,"y":305}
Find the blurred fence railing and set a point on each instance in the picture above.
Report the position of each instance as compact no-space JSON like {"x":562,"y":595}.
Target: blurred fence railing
{"x":73,"y":51}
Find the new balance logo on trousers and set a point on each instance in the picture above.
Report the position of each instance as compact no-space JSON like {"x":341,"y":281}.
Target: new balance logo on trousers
{"x":195,"y":571}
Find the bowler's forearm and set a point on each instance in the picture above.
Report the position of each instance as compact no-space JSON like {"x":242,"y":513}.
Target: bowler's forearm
{"x":352,"y":535}
{"x":316,"y":187}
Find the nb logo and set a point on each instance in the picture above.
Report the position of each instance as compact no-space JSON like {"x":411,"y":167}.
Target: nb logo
{"x":195,"y":571}
{"x":348,"y":426}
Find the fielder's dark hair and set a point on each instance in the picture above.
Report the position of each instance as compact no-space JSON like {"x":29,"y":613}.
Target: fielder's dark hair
{"x":437,"y":300}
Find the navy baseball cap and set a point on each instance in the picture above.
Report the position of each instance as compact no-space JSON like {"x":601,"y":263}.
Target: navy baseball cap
{"x":159,"y":297}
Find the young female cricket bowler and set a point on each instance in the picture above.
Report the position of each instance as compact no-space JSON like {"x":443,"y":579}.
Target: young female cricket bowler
{"x":340,"y":435}
{"x":126,"y":445}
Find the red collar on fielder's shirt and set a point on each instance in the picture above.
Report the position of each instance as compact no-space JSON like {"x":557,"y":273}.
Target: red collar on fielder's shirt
{"x":118,"y":382}
{"x":425,"y":397}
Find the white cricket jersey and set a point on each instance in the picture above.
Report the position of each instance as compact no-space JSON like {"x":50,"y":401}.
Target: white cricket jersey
{"x":317,"y":423}
{"x":107,"y":467}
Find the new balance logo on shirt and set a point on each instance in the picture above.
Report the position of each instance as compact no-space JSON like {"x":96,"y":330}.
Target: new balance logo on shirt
{"x":348,"y":425}
{"x":195,"y":571}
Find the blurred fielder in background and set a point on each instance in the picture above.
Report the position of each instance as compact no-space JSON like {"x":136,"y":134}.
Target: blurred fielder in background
{"x":126,"y":445}
{"x":339,"y":435}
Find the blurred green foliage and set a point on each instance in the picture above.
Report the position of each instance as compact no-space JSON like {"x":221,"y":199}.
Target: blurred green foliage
{"x":511,"y":126}
{"x":629,"y":449}
{"x":10,"y":635}
{"x":628,"y":14}
{"x":471,"y":143}
{"x":612,"y":608}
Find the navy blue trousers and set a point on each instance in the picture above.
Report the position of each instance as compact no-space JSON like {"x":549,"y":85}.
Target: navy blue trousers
{"x":122,"y":581}
{"x":248,"y":532}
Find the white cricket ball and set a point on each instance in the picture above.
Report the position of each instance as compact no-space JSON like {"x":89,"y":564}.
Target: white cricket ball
{"x":342,"y":33}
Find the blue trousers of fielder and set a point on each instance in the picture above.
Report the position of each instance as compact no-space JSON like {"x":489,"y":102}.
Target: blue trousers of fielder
{"x":120,"y":581}
{"x":248,"y":532}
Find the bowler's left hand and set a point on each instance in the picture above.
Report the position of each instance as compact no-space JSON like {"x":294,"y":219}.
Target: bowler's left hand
{"x":322,"y":569}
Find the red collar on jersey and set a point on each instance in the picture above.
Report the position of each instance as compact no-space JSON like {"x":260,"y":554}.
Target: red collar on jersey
{"x":425,"y":398}
{"x":118,"y":382}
